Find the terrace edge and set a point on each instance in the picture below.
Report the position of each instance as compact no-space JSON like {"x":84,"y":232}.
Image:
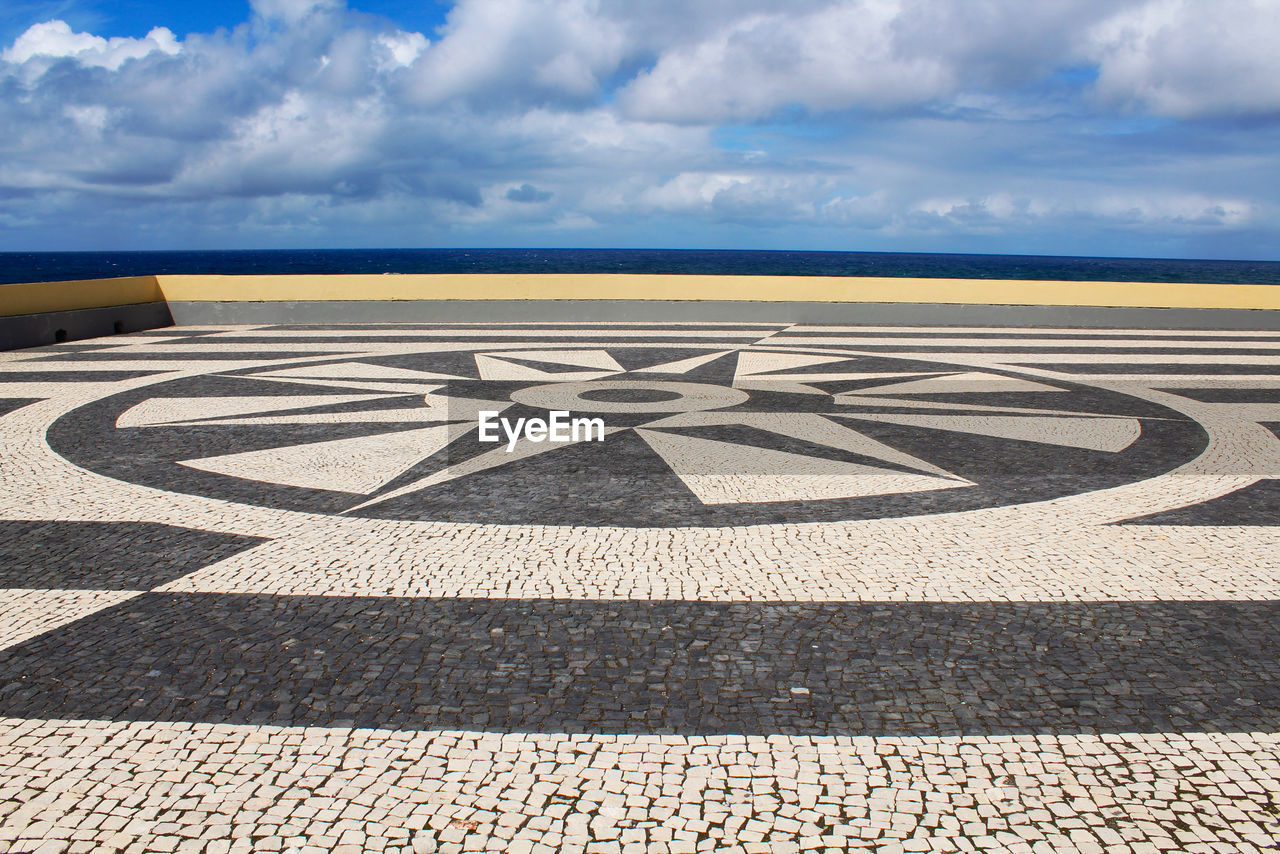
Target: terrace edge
{"x":32,"y":314}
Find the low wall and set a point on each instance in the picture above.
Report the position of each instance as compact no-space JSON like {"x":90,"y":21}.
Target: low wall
{"x":40,"y":313}
{"x":853,"y":313}
{"x":51,"y":327}
{"x":32,"y":315}
{"x":767,"y":289}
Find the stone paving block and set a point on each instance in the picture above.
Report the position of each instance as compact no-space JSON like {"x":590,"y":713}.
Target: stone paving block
{"x":816,"y":588}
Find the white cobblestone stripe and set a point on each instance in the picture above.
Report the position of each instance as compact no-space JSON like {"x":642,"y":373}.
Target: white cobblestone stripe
{"x":153,"y":787}
{"x":25,"y":614}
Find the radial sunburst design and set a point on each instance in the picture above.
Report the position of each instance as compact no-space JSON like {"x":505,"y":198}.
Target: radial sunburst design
{"x":696,"y":434}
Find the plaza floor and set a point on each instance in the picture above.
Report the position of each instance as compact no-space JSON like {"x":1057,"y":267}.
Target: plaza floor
{"x":814,"y":588}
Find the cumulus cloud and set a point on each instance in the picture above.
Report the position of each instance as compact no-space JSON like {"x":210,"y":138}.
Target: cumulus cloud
{"x":1140,"y":210}
{"x":1181,"y":58}
{"x":1190,"y":59}
{"x":880,"y":119}
{"x":529,"y":51}
{"x":402,"y":49}
{"x":53,"y":40}
{"x":292,"y":11}
{"x":828,"y":59}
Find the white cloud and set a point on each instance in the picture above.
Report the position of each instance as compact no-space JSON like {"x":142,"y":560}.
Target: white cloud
{"x":662,"y":122}
{"x":54,"y":40}
{"x":879,"y":55}
{"x":1188,"y":59}
{"x":1173,"y":209}
{"x":1180,"y":58}
{"x":691,"y":191}
{"x":497,"y":51}
{"x":832,"y":58}
{"x":292,"y":11}
{"x":1145,"y":210}
{"x":300,"y":145}
{"x":92,"y":119}
{"x":402,"y":49}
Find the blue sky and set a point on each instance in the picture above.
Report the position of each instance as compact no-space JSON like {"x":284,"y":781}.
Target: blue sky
{"x":1086,"y":127}
{"x":135,"y":18}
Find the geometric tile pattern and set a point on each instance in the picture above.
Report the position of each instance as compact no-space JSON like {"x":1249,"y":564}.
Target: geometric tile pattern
{"x":736,"y":436}
{"x":820,"y":588}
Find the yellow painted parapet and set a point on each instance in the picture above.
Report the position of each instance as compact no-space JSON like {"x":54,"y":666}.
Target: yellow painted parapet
{"x":621,"y":286}
{"x":61,"y":296}
{"x":41,"y":297}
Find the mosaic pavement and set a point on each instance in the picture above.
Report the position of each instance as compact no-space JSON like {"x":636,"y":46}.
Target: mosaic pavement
{"x":818,"y":588}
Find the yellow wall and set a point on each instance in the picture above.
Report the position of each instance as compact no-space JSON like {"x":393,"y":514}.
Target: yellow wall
{"x":67,"y":296}
{"x":476,"y":286}
{"x":61,"y":296}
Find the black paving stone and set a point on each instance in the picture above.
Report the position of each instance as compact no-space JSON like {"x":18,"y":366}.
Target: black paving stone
{"x":1119,"y":352}
{"x":1256,"y":504}
{"x":962,"y":335}
{"x":1142,"y":368}
{"x":9,"y":404}
{"x":567,"y":326}
{"x":107,"y":555}
{"x":1229,"y":395}
{"x":668,"y":666}
{"x":72,"y":376}
{"x":205,"y":356}
{"x":626,"y":336}
{"x":172,"y":332}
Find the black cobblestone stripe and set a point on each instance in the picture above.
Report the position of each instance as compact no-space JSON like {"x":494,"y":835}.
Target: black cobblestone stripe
{"x":1229,"y":395}
{"x":517,"y":337}
{"x":204,"y":356}
{"x":173,"y":332}
{"x":1039,"y":334}
{"x":666,"y":666}
{"x":107,"y":555}
{"x":564,"y":326}
{"x":1256,"y":504}
{"x":982,"y":347}
{"x":84,"y":347}
{"x":1142,"y":368}
{"x":9,"y":404}
{"x":72,"y":376}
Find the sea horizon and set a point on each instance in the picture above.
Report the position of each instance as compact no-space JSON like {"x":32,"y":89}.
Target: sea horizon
{"x":52,"y":266}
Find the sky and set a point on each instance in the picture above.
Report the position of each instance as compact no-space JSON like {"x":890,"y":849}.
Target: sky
{"x":1139,"y":128}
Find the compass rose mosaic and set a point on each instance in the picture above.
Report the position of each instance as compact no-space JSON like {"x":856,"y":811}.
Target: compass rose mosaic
{"x":238,"y":554}
{"x":699,"y":433}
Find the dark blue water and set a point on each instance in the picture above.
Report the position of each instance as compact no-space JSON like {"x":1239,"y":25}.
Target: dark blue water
{"x":58,"y":266}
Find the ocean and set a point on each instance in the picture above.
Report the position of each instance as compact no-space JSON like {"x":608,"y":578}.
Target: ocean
{"x":59,"y":266}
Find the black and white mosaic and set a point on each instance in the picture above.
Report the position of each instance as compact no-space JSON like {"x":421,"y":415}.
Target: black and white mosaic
{"x":819,"y":588}
{"x":696,"y":434}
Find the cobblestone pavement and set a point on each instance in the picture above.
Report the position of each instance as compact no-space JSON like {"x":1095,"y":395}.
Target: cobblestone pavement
{"x":813,"y":589}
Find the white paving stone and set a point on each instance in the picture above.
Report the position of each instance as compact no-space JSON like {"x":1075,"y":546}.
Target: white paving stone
{"x":149,"y":785}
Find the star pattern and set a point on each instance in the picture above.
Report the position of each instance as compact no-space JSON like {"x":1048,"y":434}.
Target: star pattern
{"x":703,"y":434}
